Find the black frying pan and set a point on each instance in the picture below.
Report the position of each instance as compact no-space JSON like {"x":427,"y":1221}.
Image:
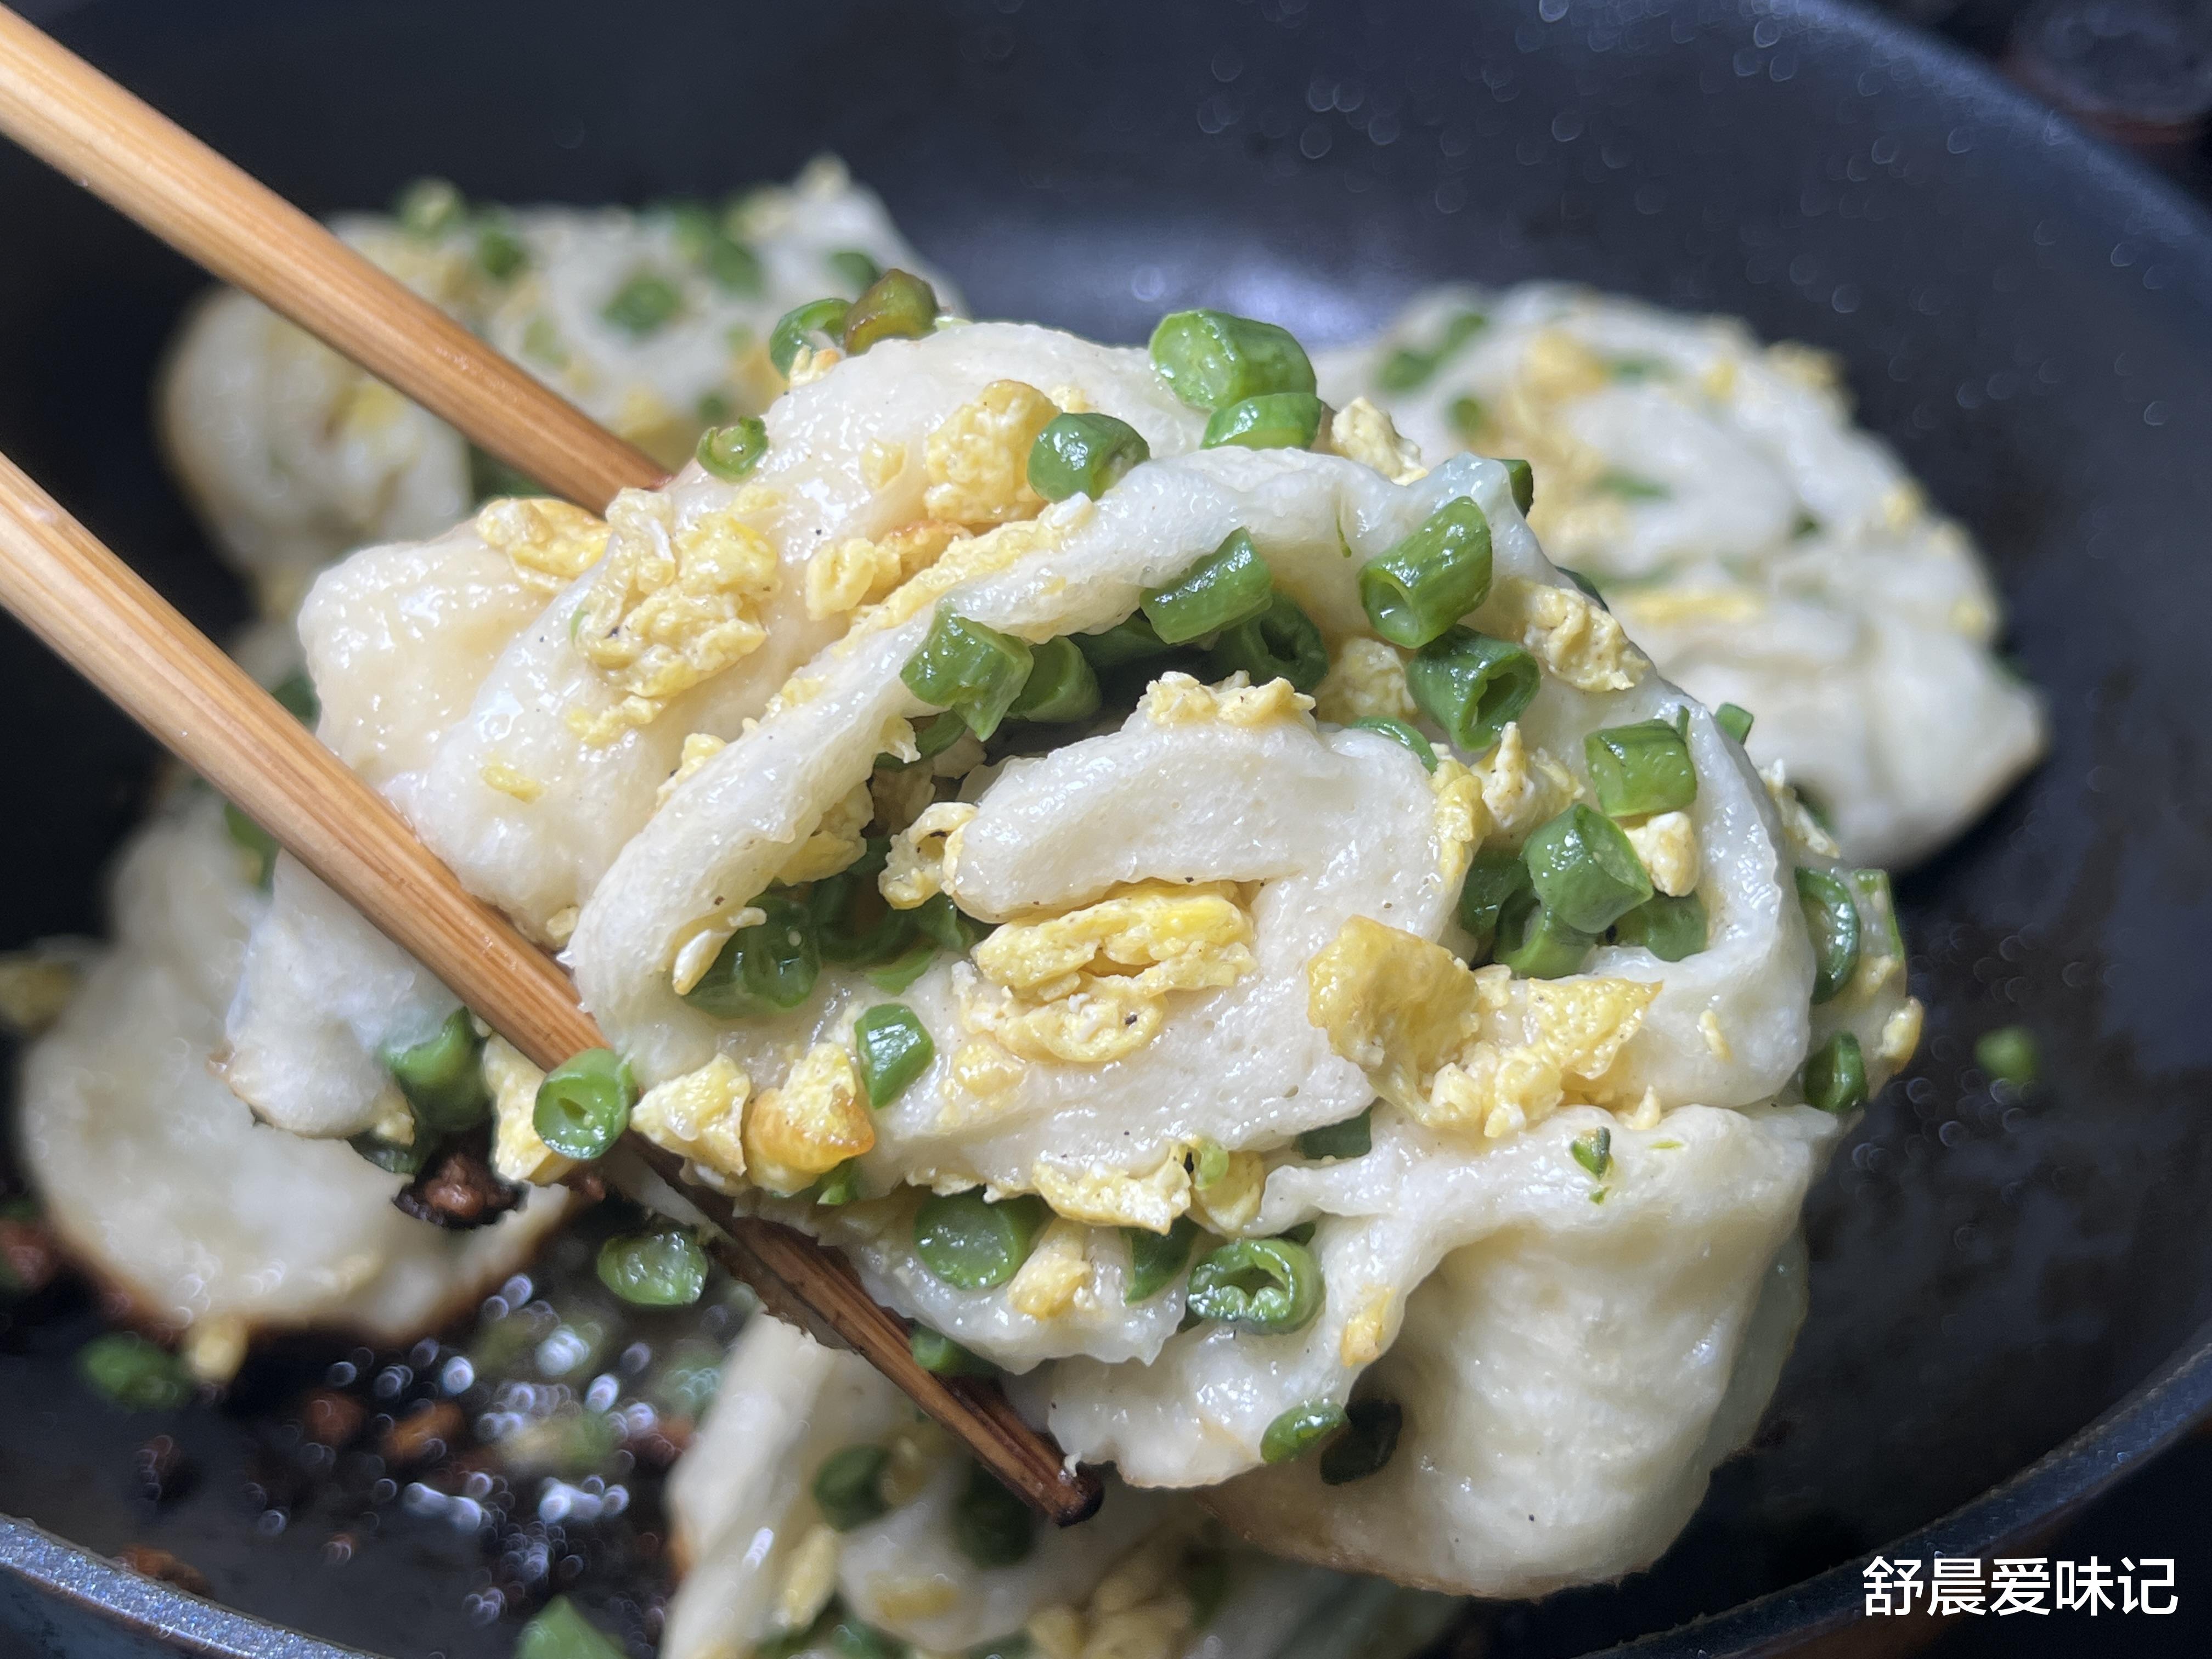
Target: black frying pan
{"x":2026,"y":317}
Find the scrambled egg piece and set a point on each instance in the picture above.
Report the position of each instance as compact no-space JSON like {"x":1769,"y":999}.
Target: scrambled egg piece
{"x":1469,"y":1050}
{"x":810,"y":1578}
{"x":1362,"y":1341}
{"x":549,"y":542}
{"x":1462,"y":817}
{"x":517,"y":1153}
{"x":1091,"y":985}
{"x":673,"y":605}
{"x":1229,"y":1203}
{"x":1366,"y":681}
{"x":810,"y":363}
{"x":837,"y":841}
{"x":1666,"y":607}
{"x":965,"y":561}
{"x":925,"y":855}
{"x":699,"y":748}
{"x":1900,"y":1033}
{"x":1178,"y":699}
{"x":900,"y":1596}
{"x":1056,"y":1276}
{"x":1522,"y":788}
{"x":1569,"y":633}
{"x":1106,"y":1198}
{"x":1717,"y":1043}
{"x":978,"y":459}
{"x":1361,"y":432}
{"x":985,"y":1070}
{"x":1140,"y":1609}
{"x":1667,"y":844}
{"x":512,"y":781}
{"x":857,"y":571}
{"x":810,"y":1125}
{"x":1556,"y":367}
{"x":699,"y":1116}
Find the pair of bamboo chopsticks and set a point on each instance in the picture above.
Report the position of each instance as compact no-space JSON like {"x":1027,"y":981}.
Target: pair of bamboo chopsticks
{"x":114,"y":630}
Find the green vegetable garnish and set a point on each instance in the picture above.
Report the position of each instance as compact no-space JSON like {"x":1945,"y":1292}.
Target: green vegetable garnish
{"x":1280,"y":643}
{"x":1084,"y":455}
{"x":1300,"y":1430}
{"x":848,"y":1486}
{"x":1835,"y":1077}
{"x":1224,"y":587}
{"x":1733,"y":720}
{"x":1472,"y":685}
{"x":1593,"y":1150}
{"x":818,"y":324}
{"x":1670,"y":928}
{"x":1370,"y":1437}
{"x":766,"y":969}
{"x":2009,"y":1055}
{"x":1354,"y":1138}
{"x":646,"y":303}
{"x":1833,"y":921}
{"x":973,"y":1244}
{"x":1267,"y":1284}
{"x":1062,"y":686}
{"x":990,"y":1526}
{"x":134,"y":1373}
{"x":662,"y":1268}
{"x":974,"y":670}
{"x":1431,"y":579}
{"x":1585,"y":870}
{"x":1535,"y":944}
{"x":894,"y":1050}
{"x":583,"y":1105}
{"x":1274,"y":420}
{"x":442,"y":1076}
{"x":731,"y":452}
{"x":559,"y":1632}
{"x":897,"y":305}
{"x":1211,"y":358}
{"x":1640,"y":769}
{"x":946,"y":1358}
{"x":1156,"y":1260}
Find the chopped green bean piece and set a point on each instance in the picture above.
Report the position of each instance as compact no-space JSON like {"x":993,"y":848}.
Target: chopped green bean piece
{"x":1495,"y":877}
{"x":429,"y":208}
{"x":1300,"y":1430}
{"x":897,"y":305}
{"x":894,"y":1050}
{"x":1061,"y":687}
{"x":1280,"y":643}
{"x":1641,"y":769}
{"x":1130,"y":640}
{"x":134,"y":1373}
{"x":257,"y":844}
{"x":1831,"y":920}
{"x":1220,"y":590}
{"x":1585,"y":870}
{"x":646,"y":303}
{"x":297,"y":693}
{"x":766,"y":969}
{"x":1274,"y":420}
{"x":442,"y":1076}
{"x":990,"y":1526}
{"x":1467,"y":415}
{"x":975,"y":672}
{"x":1535,"y":944}
{"x":1354,"y":1138}
{"x":733,"y":267}
{"x":559,"y":1632}
{"x":2009,"y":1056}
{"x":973,"y":1244}
{"x":952,"y":928}
{"x":730,"y":452}
{"x":1399,"y":732}
{"x":1267,"y":1284}
{"x":1209,"y":1162}
{"x":1593,"y":1150}
{"x":1522,"y":478}
{"x":838,"y":1185}
{"x":1084,"y":455}
{"x":1735,"y":720}
{"x":663,"y":1269}
{"x":1670,"y":928}
{"x":858,"y":270}
{"x":848,"y":1487}
{"x":1404,"y":369}
{"x":1431,"y":579}
{"x":945,"y":1357}
{"x":713,"y":409}
{"x":1211,"y":358}
{"x":583,"y":1105}
{"x":900,"y":971}
{"x":1472,"y":685}
{"x":501,"y":254}
{"x":1369,"y":1438}
{"x":1157,"y":1259}
{"x":1835,"y":1077}
{"x":817,"y":325}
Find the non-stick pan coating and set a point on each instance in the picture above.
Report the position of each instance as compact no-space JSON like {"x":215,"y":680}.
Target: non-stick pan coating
{"x":2026,"y":318}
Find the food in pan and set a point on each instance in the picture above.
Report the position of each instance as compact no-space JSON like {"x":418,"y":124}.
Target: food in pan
{"x":1138,"y":847}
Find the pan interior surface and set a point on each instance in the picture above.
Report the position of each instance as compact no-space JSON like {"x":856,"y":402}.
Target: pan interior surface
{"x":2027,"y":319}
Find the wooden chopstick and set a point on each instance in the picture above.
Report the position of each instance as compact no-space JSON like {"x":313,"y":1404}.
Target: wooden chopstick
{"x":122,"y":636}
{"x":68,"y":113}
{"x":129,"y":641}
